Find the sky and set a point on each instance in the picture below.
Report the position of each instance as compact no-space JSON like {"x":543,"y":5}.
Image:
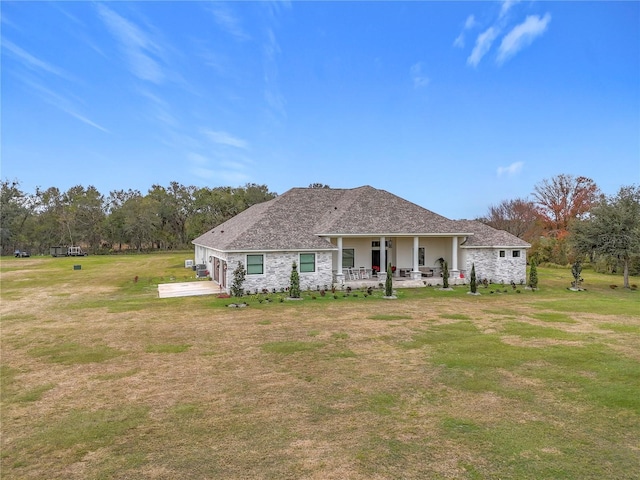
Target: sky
{"x":455,"y":106}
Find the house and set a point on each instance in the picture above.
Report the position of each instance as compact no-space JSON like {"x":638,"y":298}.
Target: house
{"x":334,"y":234}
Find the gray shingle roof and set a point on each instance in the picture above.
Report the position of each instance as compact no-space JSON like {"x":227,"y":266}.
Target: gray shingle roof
{"x":301,"y":217}
{"x":486,"y":236}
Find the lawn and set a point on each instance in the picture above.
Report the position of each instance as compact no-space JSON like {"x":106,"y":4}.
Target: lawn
{"x":103,"y":380}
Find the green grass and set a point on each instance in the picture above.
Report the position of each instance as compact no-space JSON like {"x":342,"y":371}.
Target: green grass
{"x":70,"y":353}
{"x":537,"y":385}
{"x":389,"y":317}
{"x":290,"y":347}
{"x":166,"y":348}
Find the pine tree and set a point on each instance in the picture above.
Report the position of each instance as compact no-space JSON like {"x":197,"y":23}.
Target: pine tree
{"x":445,"y":275}
{"x":388,"y":284}
{"x":472,"y":281}
{"x":294,"y":282}
{"x":238,"y":280}
{"x":533,"y":275}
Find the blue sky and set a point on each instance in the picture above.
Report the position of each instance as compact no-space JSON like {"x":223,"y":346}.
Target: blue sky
{"x":452,"y":105}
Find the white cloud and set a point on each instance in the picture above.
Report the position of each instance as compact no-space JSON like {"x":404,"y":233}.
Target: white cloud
{"x":61,"y":102}
{"x":419,"y":79}
{"x":459,"y":41}
{"x":522,"y":35}
{"x":482,"y":46}
{"x":30,"y":61}
{"x":138,"y":46}
{"x":225,"y":18}
{"x":224,"y":138}
{"x":506,"y":6}
{"x":470,"y":22}
{"x":511,"y":170}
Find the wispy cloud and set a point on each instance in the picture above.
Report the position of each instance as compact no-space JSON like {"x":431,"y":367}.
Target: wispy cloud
{"x":506,"y":6}
{"x":418,"y":77}
{"x":272,"y":94}
{"x":229,"y":22}
{"x":30,"y":61}
{"x":469,"y":23}
{"x":226,"y":139}
{"x":137,"y":45}
{"x":61,"y":102}
{"x":513,"y":169}
{"x":482,"y":46}
{"x":522,"y":35}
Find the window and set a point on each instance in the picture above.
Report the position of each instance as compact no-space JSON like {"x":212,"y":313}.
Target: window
{"x":348,"y":258}
{"x":307,"y":262}
{"x":421,"y":256}
{"x":502,"y":253}
{"x":255,"y":264}
{"x":516,"y":253}
{"x":376,"y":244}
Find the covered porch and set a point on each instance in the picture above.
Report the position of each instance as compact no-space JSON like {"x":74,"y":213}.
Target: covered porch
{"x":364,"y":259}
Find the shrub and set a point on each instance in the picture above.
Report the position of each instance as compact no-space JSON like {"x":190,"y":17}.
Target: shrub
{"x":388,"y":284}
{"x":294,"y":282}
{"x":238,"y":280}
{"x":533,"y":275}
{"x":445,"y":275}
{"x":472,"y":280}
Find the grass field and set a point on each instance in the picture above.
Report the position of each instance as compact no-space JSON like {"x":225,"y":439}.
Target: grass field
{"x":103,"y":380}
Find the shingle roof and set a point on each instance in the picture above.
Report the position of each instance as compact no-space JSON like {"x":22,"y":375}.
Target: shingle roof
{"x":301,"y":217}
{"x":486,"y":236}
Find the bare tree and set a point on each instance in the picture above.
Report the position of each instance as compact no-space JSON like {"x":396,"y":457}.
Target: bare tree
{"x":519,"y":217}
{"x":562,"y":199}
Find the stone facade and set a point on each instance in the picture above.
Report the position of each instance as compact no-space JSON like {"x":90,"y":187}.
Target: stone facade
{"x":490,"y":265}
{"x":277,"y":271}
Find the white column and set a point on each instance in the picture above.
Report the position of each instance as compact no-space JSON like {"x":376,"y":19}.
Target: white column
{"x":416,"y":245}
{"x":454,"y":253}
{"x":383,"y":255}
{"x":339,"y":274}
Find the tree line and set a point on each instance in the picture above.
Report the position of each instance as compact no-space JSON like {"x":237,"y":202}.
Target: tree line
{"x":162,"y":219}
{"x":567,"y":219}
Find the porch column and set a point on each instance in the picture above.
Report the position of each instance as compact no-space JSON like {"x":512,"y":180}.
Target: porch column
{"x":416,"y":274}
{"x":453,"y":272}
{"x":382,"y":274}
{"x":339,"y":274}
{"x":221,"y":279}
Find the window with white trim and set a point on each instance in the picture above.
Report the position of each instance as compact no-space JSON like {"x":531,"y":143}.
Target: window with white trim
{"x":307,"y":262}
{"x":348,"y":257}
{"x":255,"y":264}
{"x":516,"y":253}
{"x":502,"y":253}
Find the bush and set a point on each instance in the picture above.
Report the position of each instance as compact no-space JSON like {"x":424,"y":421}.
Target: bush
{"x":533,"y":275}
{"x":238,"y":280}
{"x":388,"y":284}
{"x":294,"y":282}
{"x":472,"y":280}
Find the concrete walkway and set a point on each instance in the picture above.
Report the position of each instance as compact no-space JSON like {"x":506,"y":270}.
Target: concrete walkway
{"x":188,"y":289}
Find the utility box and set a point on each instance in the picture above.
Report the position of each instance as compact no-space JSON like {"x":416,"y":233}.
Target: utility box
{"x":188,"y":264}
{"x":77,"y":267}
{"x":201,"y":271}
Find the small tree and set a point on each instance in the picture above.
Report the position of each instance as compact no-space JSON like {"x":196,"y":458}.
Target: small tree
{"x":445,"y":275}
{"x":294,"y":282}
{"x":576,"y":270}
{"x":238,"y":280}
{"x":388,"y":283}
{"x":472,"y":280}
{"x":533,"y":275}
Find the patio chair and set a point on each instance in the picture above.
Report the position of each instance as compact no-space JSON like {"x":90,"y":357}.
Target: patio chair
{"x":364,"y":273}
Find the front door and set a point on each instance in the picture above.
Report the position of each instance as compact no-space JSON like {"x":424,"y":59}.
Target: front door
{"x":375,"y":258}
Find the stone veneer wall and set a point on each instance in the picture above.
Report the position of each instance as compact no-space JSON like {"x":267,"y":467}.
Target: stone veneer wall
{"x":277,"y":271}
{"x":491,"y":266}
